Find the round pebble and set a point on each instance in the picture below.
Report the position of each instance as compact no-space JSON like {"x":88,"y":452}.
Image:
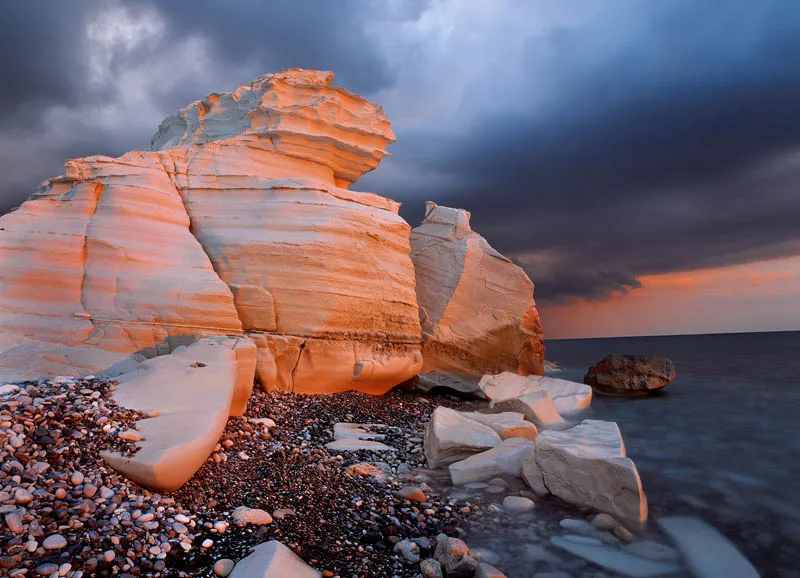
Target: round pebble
{"x":224,"y":567}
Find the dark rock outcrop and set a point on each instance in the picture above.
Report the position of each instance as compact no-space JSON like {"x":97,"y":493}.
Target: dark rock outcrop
{"x":630,"y":375}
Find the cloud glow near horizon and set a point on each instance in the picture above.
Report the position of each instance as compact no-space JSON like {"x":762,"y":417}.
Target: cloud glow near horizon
{"x":600,"y":144}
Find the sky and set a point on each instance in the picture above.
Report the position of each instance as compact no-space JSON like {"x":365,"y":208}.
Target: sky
{"x":640,"y":159}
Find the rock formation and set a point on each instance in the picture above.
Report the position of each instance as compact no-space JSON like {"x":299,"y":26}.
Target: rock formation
{"x":568,"y":397}
{"x":476,"y":307}
{"x":239,"y":221}
{"x":630,"y":375}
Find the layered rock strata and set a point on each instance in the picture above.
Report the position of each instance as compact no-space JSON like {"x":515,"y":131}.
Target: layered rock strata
{"x":237,"y":222}
{"x":476,"y":306}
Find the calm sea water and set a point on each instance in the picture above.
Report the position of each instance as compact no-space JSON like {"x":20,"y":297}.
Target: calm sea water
{"x":723,"y":441}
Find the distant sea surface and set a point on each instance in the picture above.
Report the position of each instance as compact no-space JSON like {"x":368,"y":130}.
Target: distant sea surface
{"x":723,"y":440}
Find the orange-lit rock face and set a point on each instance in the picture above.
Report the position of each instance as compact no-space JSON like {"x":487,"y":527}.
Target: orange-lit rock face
{"x":476,"y":307}
{"x":235,"y":223}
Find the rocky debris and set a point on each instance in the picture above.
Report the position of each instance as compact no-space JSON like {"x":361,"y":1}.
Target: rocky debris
{"x":351,"y":437}
{"x":708,"y":553}
{"x":412,"y":494}
{"x":507,"y":424}
{"x":463,"y":288}
{"x":273,"y":560}
{"x":376,"y":473}
{"x":587,"y":466}
{"x":69,"y":509}
{"x":255,"y":516}
{"x":157,"y":245}
{"x":409,"y":550}
{"x":504,"y":459}
{"x":455,"y":557}
{"x":613,"y":558}
{"x":486,"y":571}
{"x":463,"y":384}
{"x":451,"y":437}
{"x":537,"y":407}
{"x":568,"y":397}
{"x":188,"y":416}
{"x":630,"y":375}
{"x":431,"y":568}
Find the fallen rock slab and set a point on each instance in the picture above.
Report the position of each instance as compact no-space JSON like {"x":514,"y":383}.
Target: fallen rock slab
{"x":188,"y":416}
{"x":615,"y":560}
{"x":451,"y":437}
{"x":505,"y":459}
{"x":537,"y":407}
{"x":708,"y":553}
{"x":568,"y":396}
{"x":466,"y":384}
{"x":273,"y":560}
{"x":630,"y":375}
{"x":508,"y":424}
{"x":587,"y":466}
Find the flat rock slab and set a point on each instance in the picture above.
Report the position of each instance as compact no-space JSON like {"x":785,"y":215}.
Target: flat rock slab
{"x":273,"y":560}
{"x":451,"y":437}
{"x":536,"y":406}
{"x":568,"y":396}
{"x":615,"y":560}
{"x":708,"y":553}
{"x":587,"y":466}
{"x":351,"y":445}
{"x":189,"y":395}
{"x":507,"y":424}
{"x":505,"y":459}
{"x":351,"y":437}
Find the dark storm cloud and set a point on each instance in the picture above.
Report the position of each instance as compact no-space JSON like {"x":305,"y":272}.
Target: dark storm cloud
{"x":282,"y":34}
{"x":42,"y":58}
{"x":641,"y":159}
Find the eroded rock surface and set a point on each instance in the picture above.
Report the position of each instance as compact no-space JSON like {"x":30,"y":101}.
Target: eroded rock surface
{"x":476,"y":306}
{"x":450,"y":437}
{"x":630,"y":375}
{"x":568,"y":396}
{"x":238,"y":221}
{"x":273,"y":560}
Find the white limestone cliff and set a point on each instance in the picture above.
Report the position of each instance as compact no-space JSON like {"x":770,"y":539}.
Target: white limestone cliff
{"x":477,"y":310}
{"x":239,"y":221}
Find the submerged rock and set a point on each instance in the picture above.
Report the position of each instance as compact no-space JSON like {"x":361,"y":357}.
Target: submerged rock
{"x":476,"y":306}
{"x":630,"y":375}
{"x":614,"y":559}
{"x":455,"y":557}
{"x":505,"y":459}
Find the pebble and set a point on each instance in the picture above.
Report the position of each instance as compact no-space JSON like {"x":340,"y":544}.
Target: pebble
{"x":408,"y":550}
{"x":207,"y":543}
{"x":14,"y":522}
{"x":412,"y":493}
{"x":179,"y":528}
{"x":624,"y":534}
{"x":77,"y":478}
{"x":244,"y":515}
{"x":47,"y":569}
{"x":89,"y":490}
{"x":604,"y":522}
{"x":518,"y":504}
{"x":223,"y":567}
{"x":431,"y":568}
{"x":109,"y":556}
{"x":23,"y":497}
{"x":220,"y":527}
{"x":54,"y":542}
{"x":183,"y":519}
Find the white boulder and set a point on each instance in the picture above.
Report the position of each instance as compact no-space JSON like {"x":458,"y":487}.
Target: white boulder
{"x":568,"y":396}
{"x":505,"y":459}
{"x":451,"y":437}
{"x":508,"y":424}
{"x":273,"y":560}
{"x":587,"y":466}
{"x":537,"y":407}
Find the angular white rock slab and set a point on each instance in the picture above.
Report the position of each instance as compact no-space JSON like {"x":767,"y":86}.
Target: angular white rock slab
{"x":505,"y":459}
{"x":352,"y":445}
{"x":451,"y":437}
{"x":537,"y":407}
{"x":350,"y":437}
{"x":587,"y":466}
{"x":613,"y":559}
{"x":568,"y":396}
{"x":708,"y":553}
{"x":273,"y":560}
{"x":532,"y":474}
{"x":508,"y":424}
{"x":189,"y":393}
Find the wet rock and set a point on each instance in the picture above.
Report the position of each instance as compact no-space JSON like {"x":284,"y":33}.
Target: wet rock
{"x":613,"y":559}
{"x":54,"y":542}
{"x":369,"y":471}
{"x":431,"y":568}
{"x":532,"y":474}
{"x":517,"y":505}
{"x":486,"y":571}
{"x":412,"y":493}
{"x":409,"y":550}
{"x":630,"y":375}
{"x":455,"y":557}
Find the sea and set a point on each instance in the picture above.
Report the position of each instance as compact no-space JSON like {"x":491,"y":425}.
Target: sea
{"x":722,"y":442}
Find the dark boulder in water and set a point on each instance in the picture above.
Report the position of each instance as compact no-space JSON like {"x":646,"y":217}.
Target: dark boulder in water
{"x":630,"y":375}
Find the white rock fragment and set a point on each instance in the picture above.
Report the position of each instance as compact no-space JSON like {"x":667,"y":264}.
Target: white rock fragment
{"x":273,"y":560}
{"x":505,"y":459}
{"x":450,"y":437}
{"x":568,"y":396}
{"x":613,"y":559}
